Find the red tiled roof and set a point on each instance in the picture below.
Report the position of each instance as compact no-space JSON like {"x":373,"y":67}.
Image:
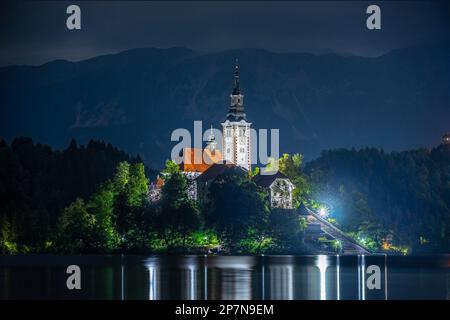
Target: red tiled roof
{"x":159,"y":182}
{"x":198,"y":160}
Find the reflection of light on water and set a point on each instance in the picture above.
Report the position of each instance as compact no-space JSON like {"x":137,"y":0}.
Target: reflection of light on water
{"x":205,"y":280}
{"x":191,"y":280}
{"x":190,"y":272}
{"x":280,"y":274}
{"x":152,"y":283}
{"x":235,"y":276}
{"x":361,"y":277}
{"x":338,"y":281}
{"x":363,"y":281}
{"x":281,"y":282}
{"x":385,"y":278}
{"x":263,"y":291}
{"x":122,"y":271}
{"x":322,"y":264}
{"x":236,"y":284}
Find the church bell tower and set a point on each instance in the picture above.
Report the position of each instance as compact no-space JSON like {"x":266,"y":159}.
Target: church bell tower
{"x":236,"y":129}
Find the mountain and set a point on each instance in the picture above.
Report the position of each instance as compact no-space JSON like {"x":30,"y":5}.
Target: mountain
{"x":135,"y":99}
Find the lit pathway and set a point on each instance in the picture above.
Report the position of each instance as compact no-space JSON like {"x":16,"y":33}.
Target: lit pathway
{"x":349,"y":246}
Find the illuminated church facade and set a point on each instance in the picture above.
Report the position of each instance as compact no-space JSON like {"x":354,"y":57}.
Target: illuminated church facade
{"x":236,"y":129}
{"x":200,"y":166}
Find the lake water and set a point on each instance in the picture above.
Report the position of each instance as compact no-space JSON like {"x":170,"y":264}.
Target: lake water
{"x":226,"y":277}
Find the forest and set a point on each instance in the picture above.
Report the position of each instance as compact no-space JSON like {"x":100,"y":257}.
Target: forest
{"x":397,"y":200}
{"x":94,"y":199}
{"x":37,"y":183}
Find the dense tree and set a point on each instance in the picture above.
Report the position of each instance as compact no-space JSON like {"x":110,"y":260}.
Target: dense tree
{"x":131,"y":205}
{"x":137,"y":186}
{"x":396,"y":200}
{"x":179,"y":214}
{"x":378,"y":196}
{"x":75,"y":229}
{"x":101,"y":206}
{"x":287,"y":230}
{"x":115,"y":211}
{"x":235,"y":206}
{"x":7,"y":236}
{"x":37,"y":183}
{"x":291,"y":166}
{"x":122,"y":176}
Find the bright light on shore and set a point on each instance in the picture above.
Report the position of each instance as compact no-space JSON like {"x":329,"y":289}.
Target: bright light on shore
{"x":323,"y":212}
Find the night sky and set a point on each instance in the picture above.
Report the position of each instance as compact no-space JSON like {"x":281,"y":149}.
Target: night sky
{"x":34,"y":32}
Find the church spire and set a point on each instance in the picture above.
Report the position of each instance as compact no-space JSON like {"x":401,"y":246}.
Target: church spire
{"x":236,"y":89}
{"x":236,"y":129}
{"x":236,"y":111}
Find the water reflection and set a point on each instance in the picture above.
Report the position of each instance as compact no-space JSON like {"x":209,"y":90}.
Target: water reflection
{"x":362,"y":287}
{"x":338,"y":281}
{"x":264,"y":277}
{"x":226,"y":277}
{"x":280,"y":277}
{"x":322,"y":264}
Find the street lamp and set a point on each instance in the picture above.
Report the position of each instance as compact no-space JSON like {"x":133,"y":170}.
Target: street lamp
{"x":323,"y":212}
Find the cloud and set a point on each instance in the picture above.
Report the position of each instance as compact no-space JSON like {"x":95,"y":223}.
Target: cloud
{"x":34,"y":32}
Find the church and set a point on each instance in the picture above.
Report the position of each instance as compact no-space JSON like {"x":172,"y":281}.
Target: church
{"x":235,"y":156}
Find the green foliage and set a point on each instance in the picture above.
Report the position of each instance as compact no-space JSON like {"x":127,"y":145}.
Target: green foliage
{"x":131,"y":210}
{"x":287,"y":230}
{"x":114,"y":217}
{"x":138,"y":228}
{"x":330,"y":244}
{"x":254,"y":172}
{"x":7,"y":237}
{"x":156,"y":243}
{"x":204,"y":240}
{"x":375,"y":194}
{"x":122,"y":176}
{"x":171,"y":168}
{"x":256,"y":243}
{"x":179,"y":214}
{"x":291,"y":166}
{"x":101,"y":207}
{"x":37,"y":183}
{"x":337,"y":245}
{"x":137,"y":186}
{"x":175,"y":186}
{"x":235,"y":204}
{"x":302,"y":224}
{"x":399,"y":202}
{"x":366,"y":239}
{"x":272,"y":165}
{"x":75,"y":229}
